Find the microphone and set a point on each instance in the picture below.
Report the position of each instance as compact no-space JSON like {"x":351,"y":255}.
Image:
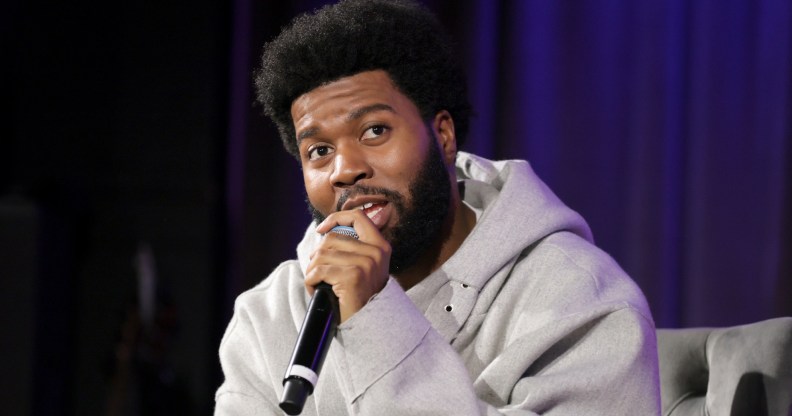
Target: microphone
{"x":318,"y":329}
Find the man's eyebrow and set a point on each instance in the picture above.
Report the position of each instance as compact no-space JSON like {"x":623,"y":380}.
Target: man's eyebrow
{"x":362,"y":111}
{"x":353,"y":115}
{"x":306,"y":134}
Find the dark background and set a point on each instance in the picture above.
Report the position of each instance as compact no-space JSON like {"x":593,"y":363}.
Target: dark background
{"x":133,"y":155}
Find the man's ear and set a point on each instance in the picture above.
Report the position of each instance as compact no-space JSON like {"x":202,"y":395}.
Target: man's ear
{"x":443,"y":129}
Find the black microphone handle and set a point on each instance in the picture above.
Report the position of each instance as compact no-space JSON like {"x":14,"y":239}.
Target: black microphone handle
{"x":318,"y":329}
{"x":313,"y":342}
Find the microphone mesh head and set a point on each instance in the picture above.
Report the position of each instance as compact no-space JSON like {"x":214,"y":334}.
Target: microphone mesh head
{"x":344,"y":230}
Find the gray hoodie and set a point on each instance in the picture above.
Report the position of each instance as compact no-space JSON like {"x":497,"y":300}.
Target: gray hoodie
{"x":527,"y":317}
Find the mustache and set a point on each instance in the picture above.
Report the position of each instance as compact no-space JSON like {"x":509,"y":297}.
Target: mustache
{"x":356,"y":190}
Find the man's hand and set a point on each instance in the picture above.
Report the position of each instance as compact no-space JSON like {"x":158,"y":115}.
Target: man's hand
{"x":356,"y":269}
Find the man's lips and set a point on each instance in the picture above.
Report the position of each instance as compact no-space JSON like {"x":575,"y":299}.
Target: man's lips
{"x":371,"y":209}
{"x":363,"y":203}
{"x":377,"y":209}
{"x":379,"y":214}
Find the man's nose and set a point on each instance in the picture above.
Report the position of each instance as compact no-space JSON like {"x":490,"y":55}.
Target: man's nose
{"x":349,"y":166}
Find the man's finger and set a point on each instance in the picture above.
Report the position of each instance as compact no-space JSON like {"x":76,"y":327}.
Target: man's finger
{"x":355,"y":218}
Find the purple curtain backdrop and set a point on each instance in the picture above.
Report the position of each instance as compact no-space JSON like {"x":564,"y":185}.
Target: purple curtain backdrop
{"x":667,"y":125}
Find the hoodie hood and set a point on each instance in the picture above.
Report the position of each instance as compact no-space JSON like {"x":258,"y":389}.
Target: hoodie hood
{"x":518,"y":209}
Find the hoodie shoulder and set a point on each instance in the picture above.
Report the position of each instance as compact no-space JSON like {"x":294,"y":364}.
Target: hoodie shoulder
{"x":579,"y":273}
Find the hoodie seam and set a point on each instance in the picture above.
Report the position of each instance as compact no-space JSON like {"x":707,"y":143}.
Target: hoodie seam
{"x":588,"y":272}
{"x":596,"y":281}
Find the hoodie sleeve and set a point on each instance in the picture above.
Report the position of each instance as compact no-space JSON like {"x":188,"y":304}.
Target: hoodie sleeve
{"x":246,"y":389}
{"x":600,"y":362}
{"x":255,"y":348}
{"x":392,"y":362}
{"x":386,"y":360}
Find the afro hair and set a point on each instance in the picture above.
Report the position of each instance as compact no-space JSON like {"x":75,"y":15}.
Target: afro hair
{"x":400,"y":37}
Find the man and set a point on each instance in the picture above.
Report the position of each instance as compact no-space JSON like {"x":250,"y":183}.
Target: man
{"x":471,"y":289}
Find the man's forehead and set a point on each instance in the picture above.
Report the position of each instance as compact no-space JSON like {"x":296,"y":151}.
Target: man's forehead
{"x":345,"y":99}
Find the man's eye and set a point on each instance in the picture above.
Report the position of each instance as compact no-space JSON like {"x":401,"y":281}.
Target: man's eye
{"x":319,"y":151}
{"x":375,"y":131}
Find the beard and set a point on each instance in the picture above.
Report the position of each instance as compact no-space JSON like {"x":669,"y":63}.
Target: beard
{"x":421,"y":217}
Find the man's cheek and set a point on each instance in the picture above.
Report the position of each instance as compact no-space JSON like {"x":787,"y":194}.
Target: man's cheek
{"x":321,"y":199}
{"x":314,"y":180}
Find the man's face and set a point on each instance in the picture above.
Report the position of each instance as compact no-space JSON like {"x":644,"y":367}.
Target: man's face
{"x":363,"y":145}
